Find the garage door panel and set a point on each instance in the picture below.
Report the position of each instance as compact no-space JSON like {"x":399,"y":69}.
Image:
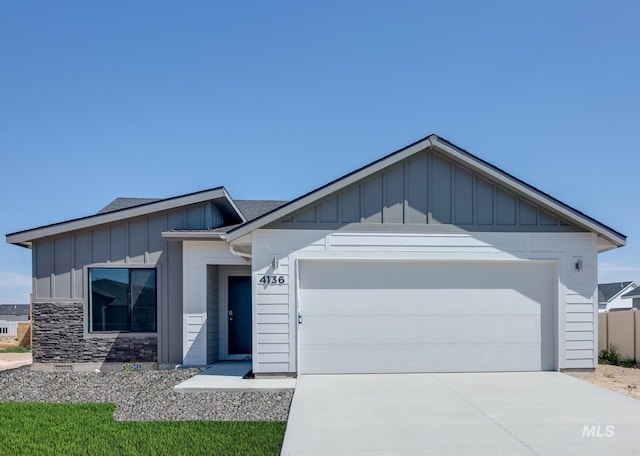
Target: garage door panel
{"x":437,"y":358}
{"x":410,"y":330}
{"x":426,"y":317}
{"x":422,"y":302}
{"x":408,"y":275}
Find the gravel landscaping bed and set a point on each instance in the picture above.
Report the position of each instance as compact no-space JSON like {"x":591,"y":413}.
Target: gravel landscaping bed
{"x":144,"y":396}
{"x":625,"y":380}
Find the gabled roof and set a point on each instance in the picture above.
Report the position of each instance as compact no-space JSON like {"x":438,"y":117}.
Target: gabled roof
{"x":608,"y":291}
{"x":611,"y":237}
{"x":219,"y":194}
{"x":14,"y":309}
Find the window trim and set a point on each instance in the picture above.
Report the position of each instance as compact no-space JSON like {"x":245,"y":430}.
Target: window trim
{"x":86,"y":299}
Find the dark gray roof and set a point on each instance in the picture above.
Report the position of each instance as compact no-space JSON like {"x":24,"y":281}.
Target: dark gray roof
{"x":635,"y":293}
{"x":14,"y":309}
{"x":217,"y":196}
{"x":252,"y":209}
{"x":607,"y":291}
{"x":125,"y":203}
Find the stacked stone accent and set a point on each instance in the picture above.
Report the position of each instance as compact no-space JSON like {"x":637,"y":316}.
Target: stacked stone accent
{"x":58,"y":337}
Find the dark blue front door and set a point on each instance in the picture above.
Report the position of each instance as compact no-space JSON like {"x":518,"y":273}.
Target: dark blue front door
{"x":239,"y":315}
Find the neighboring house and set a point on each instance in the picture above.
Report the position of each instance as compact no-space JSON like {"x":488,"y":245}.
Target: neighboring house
{"x":632,"y":298}
{"x":426,"y":260}
{"x":14,"y":312}
{"x":10,"y":315}
{"x":611,"y":296}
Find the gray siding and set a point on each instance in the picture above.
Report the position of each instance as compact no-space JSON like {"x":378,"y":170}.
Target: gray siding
{"x":171,"y":308}
{"x":427,"y":189}
{"x":213,"y":314}
{"x":60,"y":262}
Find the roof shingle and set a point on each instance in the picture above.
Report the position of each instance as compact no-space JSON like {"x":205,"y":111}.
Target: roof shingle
{"x":126,"y":203}
{"x":252,"y":209}
{"x":14,"y":309}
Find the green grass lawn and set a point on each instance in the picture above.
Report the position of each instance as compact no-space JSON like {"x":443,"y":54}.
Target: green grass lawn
{"x":15,"y":349}
{"x":89,"y":429}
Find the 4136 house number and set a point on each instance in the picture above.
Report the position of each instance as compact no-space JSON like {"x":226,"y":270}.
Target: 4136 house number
{"x":272,"y":280}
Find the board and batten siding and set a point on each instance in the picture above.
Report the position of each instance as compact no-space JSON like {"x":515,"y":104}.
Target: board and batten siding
{"x":213,"y":313}
{"x":575,"y":307}
{"x":427,"y":189}
{"x":59,"y":263}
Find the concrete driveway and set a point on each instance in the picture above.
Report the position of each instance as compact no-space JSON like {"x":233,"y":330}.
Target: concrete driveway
{"x":541,"y":413}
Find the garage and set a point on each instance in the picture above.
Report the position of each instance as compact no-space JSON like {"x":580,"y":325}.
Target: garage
{"x":406,"y":316}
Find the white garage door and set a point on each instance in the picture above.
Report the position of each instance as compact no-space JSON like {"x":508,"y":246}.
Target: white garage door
{"x":375,"y":317}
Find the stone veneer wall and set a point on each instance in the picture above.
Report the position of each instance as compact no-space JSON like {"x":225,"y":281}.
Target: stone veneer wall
{"x":58,"y":337}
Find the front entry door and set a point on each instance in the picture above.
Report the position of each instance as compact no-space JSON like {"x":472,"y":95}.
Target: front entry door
{"x":239,"y":315}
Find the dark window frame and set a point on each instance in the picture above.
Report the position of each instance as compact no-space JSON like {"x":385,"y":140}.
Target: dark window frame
{"x":131,"y":309}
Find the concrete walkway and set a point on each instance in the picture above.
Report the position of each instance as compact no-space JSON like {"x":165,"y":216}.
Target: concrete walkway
{"x":543,"y":413}
{"x":228,"y":376}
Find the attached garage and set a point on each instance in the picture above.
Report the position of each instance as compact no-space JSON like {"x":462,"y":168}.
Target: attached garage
{"x":384,"y":317}
{"x":427,"y":260}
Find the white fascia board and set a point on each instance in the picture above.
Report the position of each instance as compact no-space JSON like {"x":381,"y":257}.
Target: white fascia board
{"x":330,"y":188}
{"x":544,"y":200}
{"x":448,"y":149}
{"x":193,"y":235}
{"x":233,"y":204}
{"x":625,"y":290}
{"x":24,"y":237}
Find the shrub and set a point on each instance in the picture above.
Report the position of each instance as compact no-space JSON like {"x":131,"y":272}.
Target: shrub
{"x":610,"y":355}
{"x":628,"y":362}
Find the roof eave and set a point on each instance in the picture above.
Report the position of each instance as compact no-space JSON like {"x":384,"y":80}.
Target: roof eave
{"x":193,"y":235}
{"x":234,"y":205}
{"x":330,"y":188}
{"x":24,"y":238}
{"x":623,"y":291}
{"x":611,"y":236}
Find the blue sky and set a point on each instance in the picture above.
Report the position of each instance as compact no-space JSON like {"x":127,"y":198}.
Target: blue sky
{"x":273,"y":99}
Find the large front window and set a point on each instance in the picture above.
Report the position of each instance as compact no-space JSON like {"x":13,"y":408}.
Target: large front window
{"x":122,"y":300}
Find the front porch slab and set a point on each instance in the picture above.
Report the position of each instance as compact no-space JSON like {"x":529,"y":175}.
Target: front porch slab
{"x":228,"y":376}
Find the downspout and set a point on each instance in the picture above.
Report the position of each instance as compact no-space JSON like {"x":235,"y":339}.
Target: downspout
{"x":243,"y":255}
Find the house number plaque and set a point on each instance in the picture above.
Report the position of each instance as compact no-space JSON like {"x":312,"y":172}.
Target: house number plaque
{"x":273,"y":280}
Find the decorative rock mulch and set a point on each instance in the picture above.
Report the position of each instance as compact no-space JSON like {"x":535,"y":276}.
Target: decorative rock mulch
{"x":144,"y":395}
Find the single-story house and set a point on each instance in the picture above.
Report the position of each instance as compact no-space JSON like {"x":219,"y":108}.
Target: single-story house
{"x":10,"y":315}
{"x":632,"y":298}
{"x":612,"y":296}
{"x":426,"y":260}
{"x":14,"y":312}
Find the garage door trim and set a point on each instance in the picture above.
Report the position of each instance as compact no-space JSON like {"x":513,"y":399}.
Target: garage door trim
{"x":551,"y":326}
